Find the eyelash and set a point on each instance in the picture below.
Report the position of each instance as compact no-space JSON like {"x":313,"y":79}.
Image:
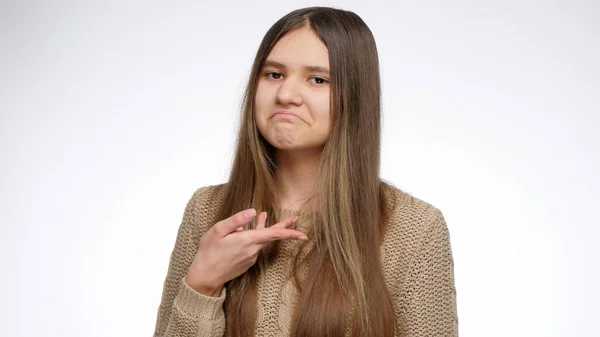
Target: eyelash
{"x":274,"y":72}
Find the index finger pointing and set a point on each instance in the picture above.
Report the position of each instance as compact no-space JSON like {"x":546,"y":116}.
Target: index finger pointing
{"x":270,"y":234}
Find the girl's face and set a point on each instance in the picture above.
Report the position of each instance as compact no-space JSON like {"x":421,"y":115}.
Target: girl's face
{"x":292,"y":99}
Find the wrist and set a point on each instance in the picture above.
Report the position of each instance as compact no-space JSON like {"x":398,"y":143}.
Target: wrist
{"x":207,"y":289}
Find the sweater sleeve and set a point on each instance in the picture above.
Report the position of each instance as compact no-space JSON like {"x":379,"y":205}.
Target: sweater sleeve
{"x":183,"y":312}
{"x":431,"y":299}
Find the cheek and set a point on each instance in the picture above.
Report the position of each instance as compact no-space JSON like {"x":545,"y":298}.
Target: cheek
{"x":326,"y":116}
{"x":258,"y":100}
{"x":258,"y":104}
{"x":261,"y":101}
{"x":261,"y":113}
{"x":321,"y":110}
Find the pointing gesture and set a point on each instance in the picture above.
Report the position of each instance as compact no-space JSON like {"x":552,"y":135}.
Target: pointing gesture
{"x":227,"y":251}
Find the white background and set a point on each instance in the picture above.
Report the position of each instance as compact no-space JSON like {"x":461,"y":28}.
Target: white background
{"x":114,"y":112}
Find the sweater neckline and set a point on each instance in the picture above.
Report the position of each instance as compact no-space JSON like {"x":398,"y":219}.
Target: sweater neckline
{"x":304,"y":217}
{"x":290,"y":212}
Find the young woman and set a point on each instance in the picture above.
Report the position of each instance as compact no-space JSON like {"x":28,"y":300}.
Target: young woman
{"x":305,"y":239}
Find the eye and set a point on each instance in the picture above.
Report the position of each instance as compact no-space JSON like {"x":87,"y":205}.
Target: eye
{"x":275,"y":76}
{"x":319,"y":80}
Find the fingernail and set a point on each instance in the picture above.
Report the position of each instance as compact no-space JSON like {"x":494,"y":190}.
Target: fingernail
{"x":303,"y":237}
{"x":250,"y":213}
{"x":295,"y":219}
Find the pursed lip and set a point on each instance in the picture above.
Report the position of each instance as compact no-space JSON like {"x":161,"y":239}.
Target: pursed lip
{"x":285,"y":113}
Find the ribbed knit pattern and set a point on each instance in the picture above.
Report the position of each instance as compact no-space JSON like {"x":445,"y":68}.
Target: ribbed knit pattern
{"x":416,"y":257}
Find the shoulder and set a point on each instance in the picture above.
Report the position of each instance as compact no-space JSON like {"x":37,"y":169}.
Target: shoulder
{"x":410,"y":219}
{"x":206,"y":196}
{"x":416,"y":233}
{"x":402,"y":204}
{"x":201,"y":208}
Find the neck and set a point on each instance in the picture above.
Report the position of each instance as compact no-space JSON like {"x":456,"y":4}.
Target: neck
{"x":296,"y":176}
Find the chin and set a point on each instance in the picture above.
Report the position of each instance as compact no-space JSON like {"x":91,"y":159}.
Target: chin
{"x":288,"y":141}
{"x":290,"y":147}
{"x":286,"y":146}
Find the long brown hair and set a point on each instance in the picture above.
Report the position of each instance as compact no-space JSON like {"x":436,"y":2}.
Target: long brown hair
{"x":345,"y":265}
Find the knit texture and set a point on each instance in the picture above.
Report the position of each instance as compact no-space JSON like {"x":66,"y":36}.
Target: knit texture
{"x":416,"y":257}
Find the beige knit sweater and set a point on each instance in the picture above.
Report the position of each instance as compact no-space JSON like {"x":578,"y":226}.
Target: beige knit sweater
{"x":416,"y":257}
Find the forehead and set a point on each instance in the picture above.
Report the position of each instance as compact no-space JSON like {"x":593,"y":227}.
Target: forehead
{"x":299,"y":48}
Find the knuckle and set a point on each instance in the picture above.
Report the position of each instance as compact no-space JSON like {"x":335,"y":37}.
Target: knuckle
{"x":239,"y":218}
{"x":218,"y":228}
{"x":247,"y":239}
{"x":278,"y":233}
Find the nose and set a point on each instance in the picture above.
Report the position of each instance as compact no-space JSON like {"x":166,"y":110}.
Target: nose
{"x":289,"y":92}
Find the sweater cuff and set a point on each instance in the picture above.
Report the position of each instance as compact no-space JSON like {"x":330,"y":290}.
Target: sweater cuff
{"x":198,"y":305}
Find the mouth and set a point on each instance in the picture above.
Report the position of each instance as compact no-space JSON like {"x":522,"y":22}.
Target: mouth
{"x":285,"y":115}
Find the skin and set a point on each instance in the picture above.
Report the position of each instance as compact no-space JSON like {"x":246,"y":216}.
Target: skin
{"x":291,"y":86}
{"x":286,"y":84}
{"x":225,"y":253}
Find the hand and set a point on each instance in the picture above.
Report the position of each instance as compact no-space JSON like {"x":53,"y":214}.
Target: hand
{"x":226,"y":251}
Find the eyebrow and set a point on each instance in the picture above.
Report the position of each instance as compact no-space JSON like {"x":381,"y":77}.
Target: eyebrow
{"x":276,"y":64}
